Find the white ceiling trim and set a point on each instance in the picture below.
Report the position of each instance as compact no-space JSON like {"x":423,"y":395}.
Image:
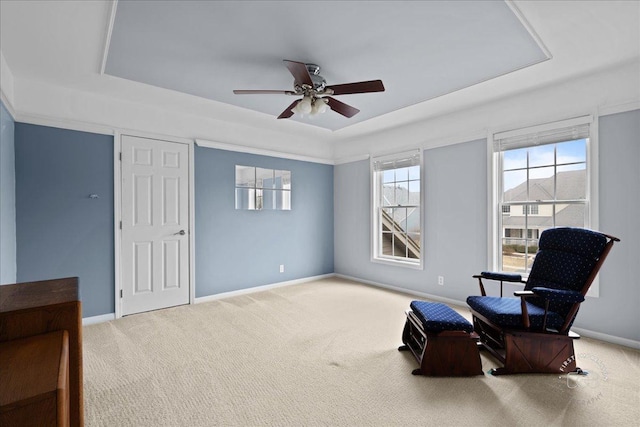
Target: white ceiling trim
{"x":528,"y":27}
{"x":43,"y":42}
{"x":107,"y":41}
{"x":616,"y":86}
{"x":63,"y":123}
{"x":59,"y":103}
{"x":261,"y":151}
{"x":6,"y":83}
{"x":612,"y":91}
{"x":351,"y":159}
{"x":7,"y":104}
{"x":622,"y":107}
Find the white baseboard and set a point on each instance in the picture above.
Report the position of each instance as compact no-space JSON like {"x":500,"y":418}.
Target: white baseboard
{"x":111,"y":316}
{"x":608,"y":338}
{"x":583,"y":332}
{"x":98,"y":319}
{"x":406,"y":291}
{"x":223,"y":295}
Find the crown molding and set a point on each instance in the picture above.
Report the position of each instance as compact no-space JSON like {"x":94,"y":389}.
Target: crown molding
{"x":631,"y":105}
{"x":351,"y":159}
{"x":107,"y":40}
{"x":7,"y":84}
{"x":7,"y":104}
{"x":42,"y":120}
{"x":261,"y":151}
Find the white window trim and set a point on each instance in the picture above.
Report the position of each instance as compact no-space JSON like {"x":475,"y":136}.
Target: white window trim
{"x":494,"y":179}
{"x":375,"y":238}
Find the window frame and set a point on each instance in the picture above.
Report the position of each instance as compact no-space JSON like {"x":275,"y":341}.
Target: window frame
{"x":495,"y":182}
{"x":375,"y":206}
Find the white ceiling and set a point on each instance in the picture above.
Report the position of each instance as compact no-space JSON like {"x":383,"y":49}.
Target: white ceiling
{"x":428,"y":69}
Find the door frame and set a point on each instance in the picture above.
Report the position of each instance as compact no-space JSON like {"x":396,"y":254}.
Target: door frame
{"x":117,"y":209}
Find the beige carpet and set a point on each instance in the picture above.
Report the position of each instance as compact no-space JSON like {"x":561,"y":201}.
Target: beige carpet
{"x":324,"y":353}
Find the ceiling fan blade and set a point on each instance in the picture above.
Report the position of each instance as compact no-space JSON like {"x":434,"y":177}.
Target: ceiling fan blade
{"x":341,"y":107}
{"x":359,"y":87}
{"x":260,"y":92}
{"x":289,"y":111}
{"x":299,"y":72}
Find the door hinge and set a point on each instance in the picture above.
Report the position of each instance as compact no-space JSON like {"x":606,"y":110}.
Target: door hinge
{"x":120,"y":155}
{"x":120,"y":293}
{"x":120,"y":225}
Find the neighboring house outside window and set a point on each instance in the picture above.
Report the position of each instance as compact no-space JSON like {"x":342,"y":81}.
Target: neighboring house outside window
{"x":397,"y":209}
{"x":543,"y":182}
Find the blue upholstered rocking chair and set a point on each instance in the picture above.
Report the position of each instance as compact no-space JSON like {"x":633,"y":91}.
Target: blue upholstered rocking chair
{"x":531,"y":332}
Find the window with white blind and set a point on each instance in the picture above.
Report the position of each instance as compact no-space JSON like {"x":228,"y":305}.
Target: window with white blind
{"x":397,"y":209}
{"x":544,"y":179}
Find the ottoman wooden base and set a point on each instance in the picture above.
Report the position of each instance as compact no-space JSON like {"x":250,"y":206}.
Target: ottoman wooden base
{"x":443,"y":353}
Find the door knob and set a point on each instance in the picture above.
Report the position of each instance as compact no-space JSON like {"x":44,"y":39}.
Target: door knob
{"x":181,"y":232}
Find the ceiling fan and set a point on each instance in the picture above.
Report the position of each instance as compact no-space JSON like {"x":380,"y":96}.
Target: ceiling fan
{"x":316,"y":95}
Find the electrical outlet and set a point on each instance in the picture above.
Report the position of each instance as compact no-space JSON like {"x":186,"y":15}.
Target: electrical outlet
{"x":441,"y":280}
{"x":281,"y":268}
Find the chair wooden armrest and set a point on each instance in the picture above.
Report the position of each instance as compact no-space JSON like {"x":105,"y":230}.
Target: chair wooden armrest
{"x":497,"y":276}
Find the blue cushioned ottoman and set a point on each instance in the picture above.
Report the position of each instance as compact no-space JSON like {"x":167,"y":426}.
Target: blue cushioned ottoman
{"x":442,"y":341}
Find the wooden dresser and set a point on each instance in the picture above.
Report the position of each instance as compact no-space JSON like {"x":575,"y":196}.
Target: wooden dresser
{"x":34,"y":308}
{"x":34,"y":373}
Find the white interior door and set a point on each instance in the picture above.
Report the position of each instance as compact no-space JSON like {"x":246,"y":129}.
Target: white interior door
{"x":155,"y":224}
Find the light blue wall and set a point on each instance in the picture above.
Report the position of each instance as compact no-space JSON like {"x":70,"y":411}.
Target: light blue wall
{"x":239,"y":249}
{"x":60,"y":230}
{"x":456,"y":226}
{"x":617,"y":310}
{"x":7,"y":198}
{"x":455,"y":232}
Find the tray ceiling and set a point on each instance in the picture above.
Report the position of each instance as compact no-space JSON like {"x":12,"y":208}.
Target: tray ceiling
{"x":420,"y":50}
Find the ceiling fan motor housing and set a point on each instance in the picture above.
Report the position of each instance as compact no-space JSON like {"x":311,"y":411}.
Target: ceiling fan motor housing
{"x":319,"y":83}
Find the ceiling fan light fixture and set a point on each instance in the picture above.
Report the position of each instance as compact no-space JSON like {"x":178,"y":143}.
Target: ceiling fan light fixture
{"x":304,"y":106}
{"x":310,"y":105}
{"x":316,"y":95}
{"x":319,"y":106}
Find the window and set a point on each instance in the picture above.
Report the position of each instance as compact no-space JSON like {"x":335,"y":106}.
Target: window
{"x":258,"y":188}
{"x":397,"y":212}
{"x":543,"y":182}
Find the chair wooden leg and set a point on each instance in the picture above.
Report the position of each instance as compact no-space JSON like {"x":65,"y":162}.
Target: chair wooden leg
{"x":528,"y":352}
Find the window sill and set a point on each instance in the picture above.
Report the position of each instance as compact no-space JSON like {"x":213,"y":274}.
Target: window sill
{"x":398,"y":263}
